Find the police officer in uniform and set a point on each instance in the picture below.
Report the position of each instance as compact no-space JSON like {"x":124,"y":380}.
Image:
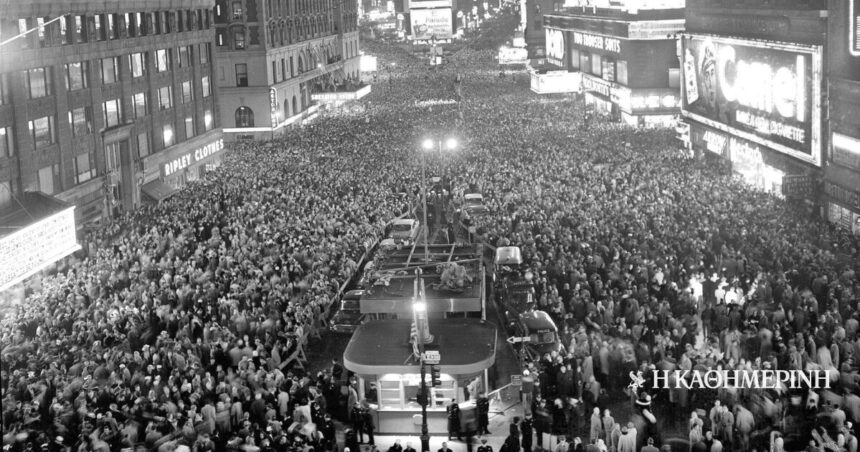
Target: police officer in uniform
{"x":483,"y":405}
{"x":454,"y":420}
{"x":484,"y":447}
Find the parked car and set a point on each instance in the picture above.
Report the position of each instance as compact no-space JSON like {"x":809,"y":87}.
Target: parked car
{"x":348,"y":316}
{"x":507,"y":260}
{"x":403,"y":230}
{"x":541,"y":333}
{"x":473,"y":204}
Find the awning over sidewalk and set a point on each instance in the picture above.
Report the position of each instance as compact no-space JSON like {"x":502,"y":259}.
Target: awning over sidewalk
{"x":466,"y":346}
{"x":157,"y":190}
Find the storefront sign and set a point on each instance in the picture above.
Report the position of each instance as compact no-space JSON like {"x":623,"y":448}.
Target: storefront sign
{"x":430,"y":23}
{"x":644,"y":101}
{"x":844,"y":218}
{"x":596,"y":85}
{"x":854,"y":27}
{"x":597,"y":42}
{"x":342,"y":95}
{"x":273,"y":106}
{"x":192,"y":157}
{"x":846,"y":150}
{"x":432,"y":357}
{"x":797,"y":185}
{"x":709,"y":139}
{"x":555,"y":49}
{"x":850,"y":198}
{"x":556,"y":82}
{"x":767,"y":93}
{"x":36,"y":246}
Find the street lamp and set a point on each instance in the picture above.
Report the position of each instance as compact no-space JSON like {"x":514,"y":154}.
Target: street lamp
{"x":429,"y":144}
{"x":419,"y":311}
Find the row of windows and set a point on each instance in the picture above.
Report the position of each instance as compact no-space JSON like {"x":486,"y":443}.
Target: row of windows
{"x":76,"y":29}
{"x":274,"y":8}
{"x":39,"y":81}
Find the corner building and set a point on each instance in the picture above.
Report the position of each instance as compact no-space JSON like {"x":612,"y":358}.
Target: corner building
{"x":753,"y":92}
{"x":105,"y":105}
{"x":272,"y":55}
{"x":842,"y":167}
{"x":626,"y":57}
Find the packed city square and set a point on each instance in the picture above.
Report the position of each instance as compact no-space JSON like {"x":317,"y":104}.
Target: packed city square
{"x":185,"y":326}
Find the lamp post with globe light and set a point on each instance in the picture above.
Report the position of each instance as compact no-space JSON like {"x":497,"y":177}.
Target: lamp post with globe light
{"x":428,"y":145}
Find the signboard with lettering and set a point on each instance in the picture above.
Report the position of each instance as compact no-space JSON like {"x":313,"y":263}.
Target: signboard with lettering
{"x":34,"y":247}
{"x":513,"y":55}
{"x":342,"y":95}
{"x":709,"y":139}
{"x":596,"y":85}
{"x":555,"y":49}
{"x":273,"y":106}
{"x":854,"y":27}
{"x":846,"y":150}
{"x":645,"y":101}
{"x":796,"y":186}
{"x":429,"y":23}
{"x":556,"y":82}
{"x":191,"y":157}
{"x":850,"y":198}
{"x":767,"y":93}
{"x":605,"y":43}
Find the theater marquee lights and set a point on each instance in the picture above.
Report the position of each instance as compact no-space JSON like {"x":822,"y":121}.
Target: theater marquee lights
{"x":767,"y":93}
{"x":854,"y":27}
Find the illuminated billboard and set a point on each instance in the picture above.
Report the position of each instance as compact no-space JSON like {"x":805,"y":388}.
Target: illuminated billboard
{"x":429,"y":23}
{"x":767,"y":93}
{"x":34,"y":247}
{"x":555,"y":47}
{"x":854,"y":27}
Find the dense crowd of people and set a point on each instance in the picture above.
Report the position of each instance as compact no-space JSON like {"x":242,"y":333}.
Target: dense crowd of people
{"x":186,"y":327}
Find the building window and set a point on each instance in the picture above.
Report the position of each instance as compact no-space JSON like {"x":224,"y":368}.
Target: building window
{"x":65,"y":26}
{"x":244,"y":117}
{"x":165,"y":97}
{"x":113,"y":112}
{"x":208,"y":120}
{"x":187,"y":92}
{"x":139,"y":101}
{"x":621,"y":69}
{"x":189,"y":127}
{"x":219,"y":38}
{"x":113,"y":26}
{"x":237,"y":11}
{"x":42,"y":131}
{"x":80,"y":29}
{"x":48,"y":179}
{"x":39,"y":82}
{"x":608,"y":69}
{"x":142,"y":145}
{"x":241,"y":75}
{"x":204,"y":52}
{"x":162,"y":60}
{"x":207,"y":89}
{"x":167,"y":135}
{"x":112,"y":157}
{"x":185,"y":56}
{"x":110,"y":70}
{"x":180,"y":23}
{"x":284,"y":68}
{"x":140,"y":21}
{"x":159,"y":22}
{"x":274,"y":71}
{"x":238,"y":38}
{"x":7,"y":144}
{"x":81,"y":120}
{"x":5,"y":193}
{"x":168,"y":22}
{"x":77,"y":75}
{"x":84,"y":168}
{"x":137,"y":64}
{"x":574,"y":59}
{"x":585,"y":61}
{"x":596,"y":65}
{"x":99,"y":21}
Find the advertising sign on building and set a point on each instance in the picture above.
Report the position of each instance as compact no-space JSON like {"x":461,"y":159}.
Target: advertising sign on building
{"x":797,"y":186}
{"x":710,"y":140}
{"x":430,"y":23}
{"x":854,"y":27}
{"x":846,"y":150}
{"x":604,"y":43}
{"x":555,"y":47}
{"x":556,"y":82}
{"x":192,"y":157}
{"x":34,"y":247}
{"x":273,"y":106}
{"x":767,"y":93}
{"x":596,"y":85}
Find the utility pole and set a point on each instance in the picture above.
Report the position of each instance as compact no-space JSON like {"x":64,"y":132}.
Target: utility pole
{"x":420,"y":313}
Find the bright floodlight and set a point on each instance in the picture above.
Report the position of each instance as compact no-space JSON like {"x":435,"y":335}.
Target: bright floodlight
{"x":419,"y":306}
{"x":428,"y":144}
{"x":451,"y":143}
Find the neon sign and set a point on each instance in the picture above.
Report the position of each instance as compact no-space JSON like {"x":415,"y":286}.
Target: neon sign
{"x":764,"y":92}
{"x":597,"y":42}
